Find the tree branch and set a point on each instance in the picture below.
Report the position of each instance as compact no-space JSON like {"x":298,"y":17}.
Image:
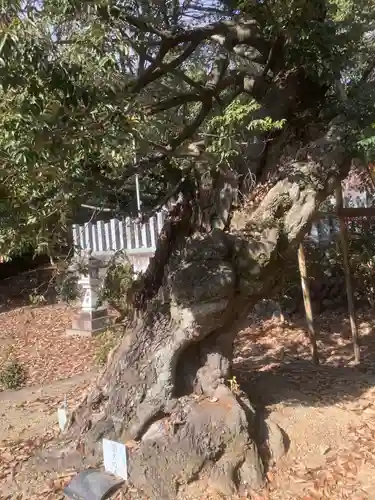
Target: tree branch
{"x":173,"y":102}
{"x":227,"y":33}
{"x":148,"y":58}
{"x":154,"y":74}
{"x":153,"y":160}
{"x":367,"y":72}
{"x":98,"y":209}
{"x":145,"y":217}
{"x":189,"y":130}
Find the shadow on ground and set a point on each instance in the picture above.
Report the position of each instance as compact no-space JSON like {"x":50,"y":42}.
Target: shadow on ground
{"x":19,"y":290}
{"x":272,"y":361}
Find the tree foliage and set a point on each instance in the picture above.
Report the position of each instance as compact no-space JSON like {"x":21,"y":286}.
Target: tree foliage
{"x":94,"y":92}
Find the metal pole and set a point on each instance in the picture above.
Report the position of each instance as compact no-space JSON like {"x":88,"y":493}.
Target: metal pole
{"x":138,"y":195}
{"x":137,"y":181}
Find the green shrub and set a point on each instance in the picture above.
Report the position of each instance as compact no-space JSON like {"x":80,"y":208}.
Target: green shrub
{"x":105,"y":342}
{"x":13,"y":375}
{"x":67,"y":286}
{"x":118,"y":282}
{"x":37,"y":299}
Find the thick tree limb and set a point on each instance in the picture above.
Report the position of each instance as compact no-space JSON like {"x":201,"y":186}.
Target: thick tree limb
{"x":311,"y":177}
{"x":228,"y":34}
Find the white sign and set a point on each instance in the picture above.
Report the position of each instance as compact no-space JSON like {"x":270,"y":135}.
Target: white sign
{"x":87,"y":302}
{"x":114,"y":455}
{"x":62,"y":418}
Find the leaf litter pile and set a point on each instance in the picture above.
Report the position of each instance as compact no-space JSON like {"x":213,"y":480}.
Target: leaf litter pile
{"x":56,"y":367}
{"x":36,"y":338}
{"x":327,"y":413}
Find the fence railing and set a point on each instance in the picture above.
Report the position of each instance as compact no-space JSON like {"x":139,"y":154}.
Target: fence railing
{"x":131,"y":236}
{"x":118,"y":234}
{"x":324,"y":230}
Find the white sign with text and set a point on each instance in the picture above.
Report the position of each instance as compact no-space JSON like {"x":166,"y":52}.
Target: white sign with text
{"x":62,"y":418}
{"x":114,"y":456}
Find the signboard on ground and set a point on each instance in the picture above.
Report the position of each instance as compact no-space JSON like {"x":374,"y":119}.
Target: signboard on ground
{"x":62,"y":418}
{"x":115,"y":460}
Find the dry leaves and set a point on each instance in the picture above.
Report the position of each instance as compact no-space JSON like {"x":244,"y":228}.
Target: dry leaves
{"x":36,"y":338}
{"x":275,"y":358}
{"x":15,"y":455}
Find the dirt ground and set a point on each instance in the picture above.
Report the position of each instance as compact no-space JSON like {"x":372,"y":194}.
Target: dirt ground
{"x":327,"y":412}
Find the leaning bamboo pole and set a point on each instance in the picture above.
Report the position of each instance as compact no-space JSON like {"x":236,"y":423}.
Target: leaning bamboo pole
{"x":348,"y":278}
{"x":307,"y":303}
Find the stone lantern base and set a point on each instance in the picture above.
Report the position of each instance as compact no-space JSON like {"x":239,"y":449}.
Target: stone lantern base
{"x":89,"y":323}
{"x":92,"y":318}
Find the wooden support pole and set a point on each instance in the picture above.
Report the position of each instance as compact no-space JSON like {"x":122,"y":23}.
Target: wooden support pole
{"x":371,"y":174}
{"x":348,"y":278}
{"x":307,"y":303}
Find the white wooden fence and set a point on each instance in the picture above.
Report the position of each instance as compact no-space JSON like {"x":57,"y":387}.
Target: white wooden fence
{"x":118,"y":234}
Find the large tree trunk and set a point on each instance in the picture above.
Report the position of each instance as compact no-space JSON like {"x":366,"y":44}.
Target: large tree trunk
{"x":166,"y":389}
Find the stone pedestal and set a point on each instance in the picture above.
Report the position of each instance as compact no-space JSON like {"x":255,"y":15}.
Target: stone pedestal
{"x":89,"y":323}
{"x":91,"y":319}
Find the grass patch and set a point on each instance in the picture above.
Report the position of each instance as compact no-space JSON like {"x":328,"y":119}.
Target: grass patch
{"x":13,"y":375}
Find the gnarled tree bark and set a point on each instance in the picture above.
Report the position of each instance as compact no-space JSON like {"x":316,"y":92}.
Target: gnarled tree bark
{"x":166,"y":388}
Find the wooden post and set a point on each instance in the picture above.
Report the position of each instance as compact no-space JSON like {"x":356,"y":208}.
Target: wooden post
{"x":307,"y":303}
{"x":348,"y":279}
{"x":371,"y":174}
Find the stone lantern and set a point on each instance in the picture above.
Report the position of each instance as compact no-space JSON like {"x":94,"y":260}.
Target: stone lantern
{"x":91,"y":318}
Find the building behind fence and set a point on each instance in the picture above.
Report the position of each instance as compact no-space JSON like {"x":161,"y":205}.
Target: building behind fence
{"x":325,"y":229}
